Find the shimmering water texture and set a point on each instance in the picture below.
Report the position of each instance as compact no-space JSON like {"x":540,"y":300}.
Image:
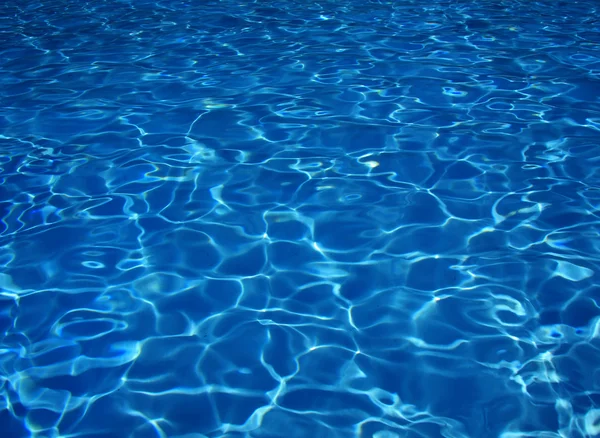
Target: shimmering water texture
{"x":288,"y":219}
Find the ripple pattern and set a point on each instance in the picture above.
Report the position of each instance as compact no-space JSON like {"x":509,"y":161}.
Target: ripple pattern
{"x":305,"y":219}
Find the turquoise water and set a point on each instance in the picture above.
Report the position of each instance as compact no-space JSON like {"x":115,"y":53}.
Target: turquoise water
{"x":299,"y":219}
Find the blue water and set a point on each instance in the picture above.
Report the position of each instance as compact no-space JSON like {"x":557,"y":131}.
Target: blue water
{"x":286,"y":219}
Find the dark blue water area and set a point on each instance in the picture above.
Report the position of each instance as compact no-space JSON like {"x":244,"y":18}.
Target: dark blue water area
{"x":295,"y":219}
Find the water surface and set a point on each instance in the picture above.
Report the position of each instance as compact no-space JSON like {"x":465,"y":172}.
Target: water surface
{"x":301,"y":219}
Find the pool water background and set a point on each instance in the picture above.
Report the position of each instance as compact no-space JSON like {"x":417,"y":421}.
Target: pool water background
{"x":290,"y":219}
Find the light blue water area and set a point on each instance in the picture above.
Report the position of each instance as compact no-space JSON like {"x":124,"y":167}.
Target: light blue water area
{"x":287,"y":219}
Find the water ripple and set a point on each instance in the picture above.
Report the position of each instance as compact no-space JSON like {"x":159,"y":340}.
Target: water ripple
{"x":333,"y":219}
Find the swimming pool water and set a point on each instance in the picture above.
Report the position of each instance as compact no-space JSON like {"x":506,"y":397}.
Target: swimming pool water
{"x":299,"y":218}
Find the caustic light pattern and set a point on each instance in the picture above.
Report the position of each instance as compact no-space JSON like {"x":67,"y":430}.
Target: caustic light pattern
{"x":297,"y":218}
